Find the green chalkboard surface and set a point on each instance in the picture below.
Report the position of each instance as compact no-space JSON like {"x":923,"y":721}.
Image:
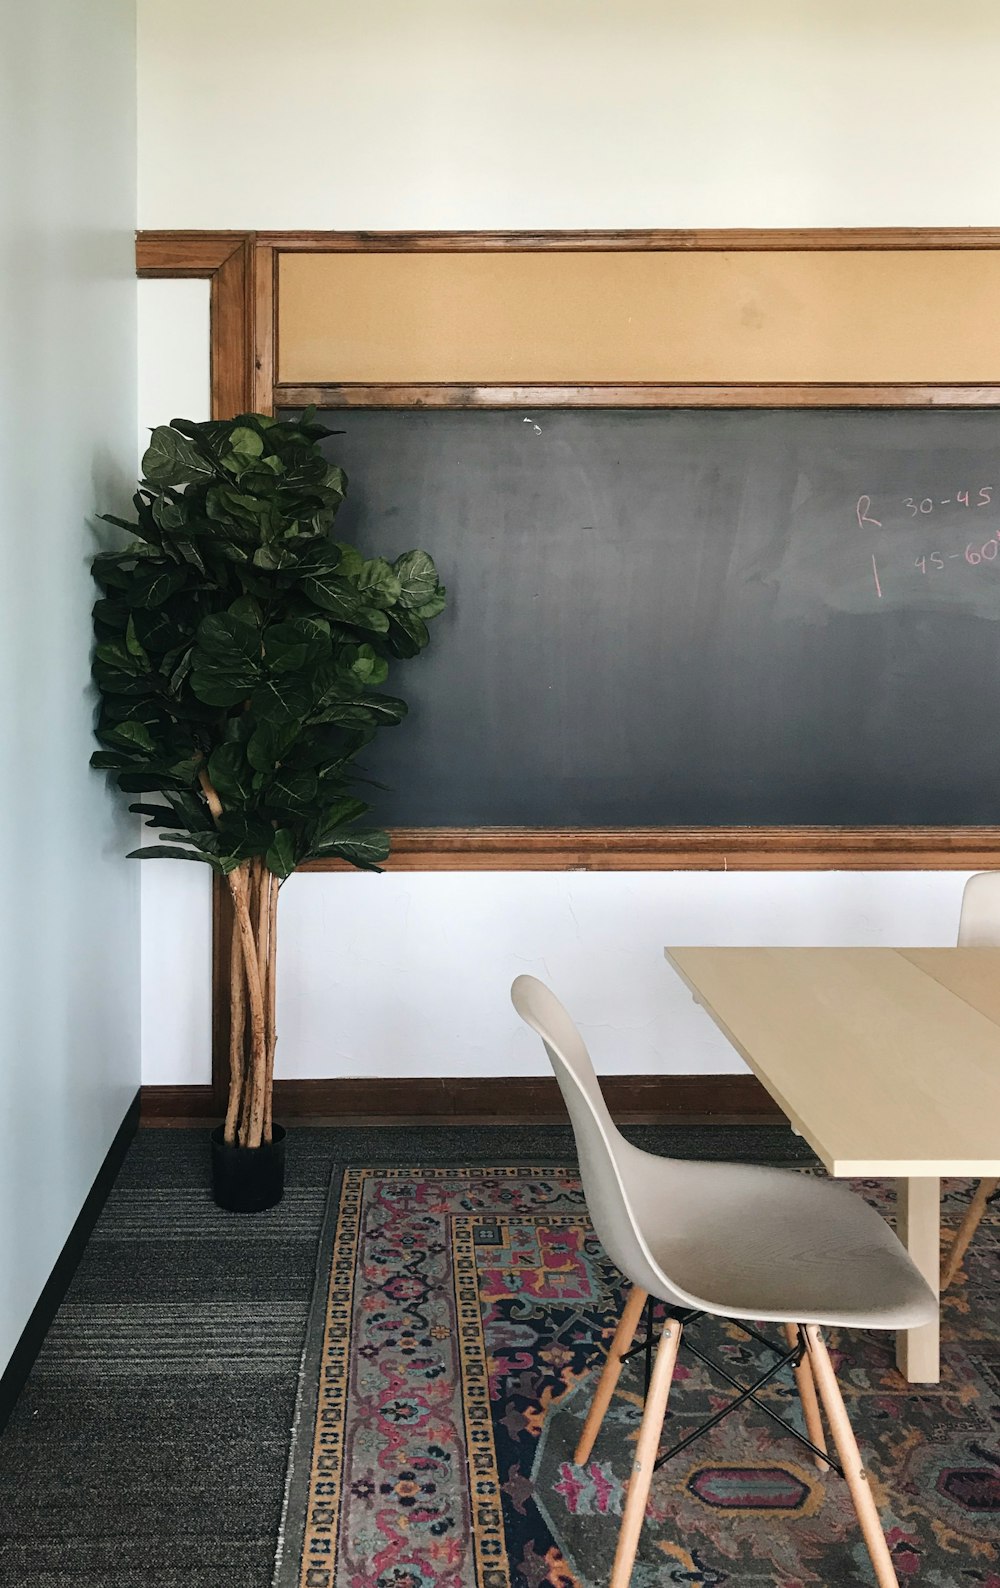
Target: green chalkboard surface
{"x":663,"y":617}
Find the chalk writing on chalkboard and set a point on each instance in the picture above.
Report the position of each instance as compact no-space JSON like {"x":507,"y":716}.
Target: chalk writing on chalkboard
{"x":932,"y":537}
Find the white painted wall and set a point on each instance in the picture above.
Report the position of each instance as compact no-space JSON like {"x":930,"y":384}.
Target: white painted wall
{"x":176,"y":898}
{"x":408,"y":974}
{"x":507,"y":113}
{"x":69,"y":913}
{"x":563,"y":113}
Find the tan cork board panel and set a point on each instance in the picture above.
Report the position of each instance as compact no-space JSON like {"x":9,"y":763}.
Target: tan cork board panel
{"x":570,"y":318}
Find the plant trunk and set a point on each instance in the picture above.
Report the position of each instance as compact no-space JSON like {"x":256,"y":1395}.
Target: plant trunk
{"x":270,"y":1001}
{"x":251,"y":888}
{"x":252,"y":989}
{"x":237,"y":1030}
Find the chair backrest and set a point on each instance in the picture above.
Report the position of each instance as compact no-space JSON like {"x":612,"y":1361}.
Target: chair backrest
{"x":603,"y":1152}
{"x":979,"y":922}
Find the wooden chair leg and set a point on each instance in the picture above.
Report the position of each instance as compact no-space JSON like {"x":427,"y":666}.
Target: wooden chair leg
{"x":610,"y":1374}
{"x":966,"y":1230}
{"x":645,"y":1454}
{"x":807,"y":1395}
{"x":850,"y":1458}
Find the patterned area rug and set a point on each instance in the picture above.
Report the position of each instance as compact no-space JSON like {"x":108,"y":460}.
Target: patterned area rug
{"x":449,"y":1365}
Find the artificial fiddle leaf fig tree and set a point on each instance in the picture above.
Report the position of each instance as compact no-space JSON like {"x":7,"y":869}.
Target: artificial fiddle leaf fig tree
{"x":239,"y":655}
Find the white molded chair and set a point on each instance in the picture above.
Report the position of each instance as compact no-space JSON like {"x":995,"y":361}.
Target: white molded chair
{"x":734,"y":1240}
{"x":978,"y":927}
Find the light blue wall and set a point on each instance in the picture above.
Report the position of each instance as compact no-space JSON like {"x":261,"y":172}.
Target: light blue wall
{"x":69,"y":919}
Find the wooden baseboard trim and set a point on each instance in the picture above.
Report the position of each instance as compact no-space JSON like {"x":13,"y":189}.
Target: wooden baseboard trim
{"x":33,"y":1336}
{"x":508,"y":1099}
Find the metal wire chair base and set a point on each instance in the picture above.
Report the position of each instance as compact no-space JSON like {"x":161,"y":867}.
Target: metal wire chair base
{"x":785,"y":1358}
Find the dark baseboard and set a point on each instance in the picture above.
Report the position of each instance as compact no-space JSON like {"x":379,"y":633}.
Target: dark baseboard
{"x":179,"y":1105}
{"x":508,"y":1099}
{"x":57,"y":1284}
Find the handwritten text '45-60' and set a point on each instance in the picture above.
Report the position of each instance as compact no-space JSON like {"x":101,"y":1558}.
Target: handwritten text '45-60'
{"x":936,"y":561}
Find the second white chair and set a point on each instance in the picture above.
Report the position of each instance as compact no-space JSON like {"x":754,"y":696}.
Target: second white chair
{"x":978,"y":927}
{"x":734,"y":1240}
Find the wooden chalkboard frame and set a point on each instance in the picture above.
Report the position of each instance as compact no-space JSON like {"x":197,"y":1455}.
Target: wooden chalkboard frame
{"x":242,"y":268}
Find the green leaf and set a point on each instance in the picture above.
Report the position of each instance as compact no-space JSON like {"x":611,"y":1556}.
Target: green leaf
{"x":431,"y":608}
{"x":270,"y":558}
{"x":247,"y":610}
{"x":156,"y":815}
{"x":119,"y":523}
{"x":339,"y":597}
{"x":369,"y":668}
{"x":110,"y":614}
{"x":418,"y":579}
{"x":182,"y":669}
{"x":162,"y":629}
{"x":113,"y":570}
{"x":156,"y":584}
{"x":226,"y":660}
{"x":168,"y":852}
{"x":171,"y":459}
{"x":350,"y":560}
{"x":191,"y":811}
{"x":364,"y":849}
{"x":129,"y":736}
{"x":243,"y":833}
{"x":110,"y":760}
{"x":168,"y":513}
{"x":112,"y":681}
{"x":407,"y":633}
{"x":119,"y":657}
{"x":280,"y":857}
{"x":246,"y":442}
{"x":133,"y":646}
{"x":283,"y":699}
{"x":378,"y":583}
{"x":230,"y":774}
{"x":341,"y":702}
{"x":235,"y":509}
{"x":191,"y":554}
{"x":335,"y":482}
{"x":270,"y":742}
{"x":292,"y":790}
{"x":296,"y":646}
{"x":228,"y":639}
{"x":339,"y":814}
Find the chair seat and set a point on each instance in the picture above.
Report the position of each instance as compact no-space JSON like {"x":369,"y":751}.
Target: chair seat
{"x":773,"y":1244}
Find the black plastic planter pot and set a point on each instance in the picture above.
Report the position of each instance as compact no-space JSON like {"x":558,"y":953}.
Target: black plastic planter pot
{"x":248,"y":1179}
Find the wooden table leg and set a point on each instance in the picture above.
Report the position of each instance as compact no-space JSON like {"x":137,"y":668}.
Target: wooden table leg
{"x":918,"y":1225}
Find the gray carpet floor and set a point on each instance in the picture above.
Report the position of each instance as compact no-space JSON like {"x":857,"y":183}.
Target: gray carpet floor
{"x":148,"y":1448}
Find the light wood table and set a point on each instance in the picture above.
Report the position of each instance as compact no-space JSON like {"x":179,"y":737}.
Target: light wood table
{"x":887,"y":1062}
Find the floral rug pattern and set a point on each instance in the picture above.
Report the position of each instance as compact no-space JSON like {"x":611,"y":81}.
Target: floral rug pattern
{"x":466,"y":1315}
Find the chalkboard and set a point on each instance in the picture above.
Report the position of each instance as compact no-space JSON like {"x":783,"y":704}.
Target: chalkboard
{"x":662,"y":617}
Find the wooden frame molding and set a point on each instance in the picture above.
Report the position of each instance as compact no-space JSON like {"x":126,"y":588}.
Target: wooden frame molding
{"x":725,"y":240}
{"x":646,"y":396}
{"x":688,"y":849}
{"x":693,"y":325}
{"x":243,"y":270}
{"x":226,"y":260}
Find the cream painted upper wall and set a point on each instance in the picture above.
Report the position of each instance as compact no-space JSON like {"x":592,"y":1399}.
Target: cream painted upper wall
{"x":567,"y":113}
